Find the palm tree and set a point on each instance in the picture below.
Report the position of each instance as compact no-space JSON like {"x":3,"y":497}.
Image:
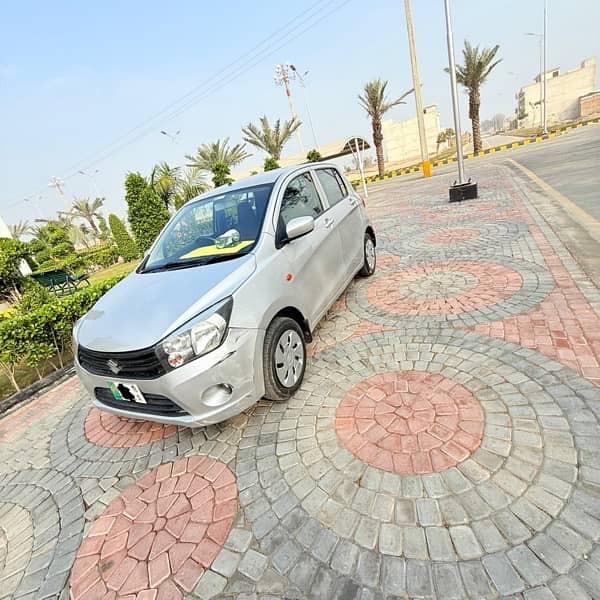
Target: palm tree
{"x":191,"y":184}
{"x":164,"y":180}
{"x":88,"y":210}
{"x":217,"y":153}
{"x":376,"y":104}
{"x":270,"y":139}
{"x":478,"y":65}
{"x":20,"y":229}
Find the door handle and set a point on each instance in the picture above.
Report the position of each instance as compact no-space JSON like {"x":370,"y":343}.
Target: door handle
{"x":328,"y":222}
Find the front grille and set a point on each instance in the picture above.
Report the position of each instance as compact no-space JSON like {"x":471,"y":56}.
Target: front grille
{"x":139,"y":364}
{"x":157,"y":405}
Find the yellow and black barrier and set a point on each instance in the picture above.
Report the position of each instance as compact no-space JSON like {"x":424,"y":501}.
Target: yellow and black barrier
{"x":446,"y":161}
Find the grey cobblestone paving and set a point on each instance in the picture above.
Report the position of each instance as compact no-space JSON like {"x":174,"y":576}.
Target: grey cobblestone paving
{"x":518,"y":517}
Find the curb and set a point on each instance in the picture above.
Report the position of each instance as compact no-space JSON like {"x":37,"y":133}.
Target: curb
{"x":447,"y":161}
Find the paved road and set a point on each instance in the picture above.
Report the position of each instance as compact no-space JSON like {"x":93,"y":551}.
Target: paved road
{"x":570,"y":164}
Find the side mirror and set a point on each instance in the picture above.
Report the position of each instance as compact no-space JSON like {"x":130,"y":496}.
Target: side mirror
{"x":298,"y":227}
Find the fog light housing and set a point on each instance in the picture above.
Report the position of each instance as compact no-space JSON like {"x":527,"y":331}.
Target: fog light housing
{"x":216,"y":395}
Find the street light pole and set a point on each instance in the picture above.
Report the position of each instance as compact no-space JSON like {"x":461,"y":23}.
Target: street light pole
{"x":425,"y":164}
{"x":545,"y":128}
{"x":461,"y":190}
{"x":282,"y":77}
{"x":305,"y":88}
{"x":540,"y":36}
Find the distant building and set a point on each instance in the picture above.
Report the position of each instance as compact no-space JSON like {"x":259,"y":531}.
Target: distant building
{"x":563,"y":92}
{"x":589,"y":104}
{"x":401,"y":139}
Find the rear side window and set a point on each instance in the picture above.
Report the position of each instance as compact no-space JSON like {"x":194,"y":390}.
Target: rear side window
{"x":300,"y":199}
{"x":334,"y":187}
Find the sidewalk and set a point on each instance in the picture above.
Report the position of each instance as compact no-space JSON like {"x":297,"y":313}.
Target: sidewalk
{"x":444,"y":444}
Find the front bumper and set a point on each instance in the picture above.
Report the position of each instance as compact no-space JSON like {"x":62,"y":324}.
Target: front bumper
{"x":236,"y":364}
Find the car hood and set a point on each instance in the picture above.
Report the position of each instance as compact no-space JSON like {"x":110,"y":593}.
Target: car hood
{"x":143,"y":308}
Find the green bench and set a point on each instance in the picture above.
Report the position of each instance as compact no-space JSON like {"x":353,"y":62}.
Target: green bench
{"x":59,"y":281}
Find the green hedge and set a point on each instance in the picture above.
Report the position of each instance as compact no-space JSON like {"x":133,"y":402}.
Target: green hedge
{"x":44,"y":335}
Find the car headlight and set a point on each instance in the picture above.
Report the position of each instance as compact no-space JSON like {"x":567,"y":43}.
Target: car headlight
{"x":197,"y":337}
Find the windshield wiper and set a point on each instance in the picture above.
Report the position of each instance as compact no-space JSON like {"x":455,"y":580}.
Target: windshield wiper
{"x":183,"y":264}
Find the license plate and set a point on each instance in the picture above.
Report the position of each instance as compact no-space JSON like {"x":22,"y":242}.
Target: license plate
{"x":126,"y":392}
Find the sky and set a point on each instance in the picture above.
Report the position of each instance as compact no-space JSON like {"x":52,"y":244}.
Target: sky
{"x":90,"y":85}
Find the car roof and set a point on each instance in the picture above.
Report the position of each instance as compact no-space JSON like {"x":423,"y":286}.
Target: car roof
{"x":267,"y":177}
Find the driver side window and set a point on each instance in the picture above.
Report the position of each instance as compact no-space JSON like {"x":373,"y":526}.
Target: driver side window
{"x":300,"y":199}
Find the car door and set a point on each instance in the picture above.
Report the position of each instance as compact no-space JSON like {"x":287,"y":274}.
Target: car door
{"x":345,"y":210}
{"x":313,"y":260}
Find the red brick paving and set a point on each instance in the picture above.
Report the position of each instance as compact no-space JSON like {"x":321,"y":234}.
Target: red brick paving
{"x":410,"y":422}
{"x":447,"y":238}
{"x":157,"y":538}
{"x":495,"y":283}
{"x":111,"y":431}
{"x":563,"y":326}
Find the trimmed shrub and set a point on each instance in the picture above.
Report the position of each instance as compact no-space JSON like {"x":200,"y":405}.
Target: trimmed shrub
{"x":270,"y":164}
{"x":125,"y":245}
{"x":146,"y":212}
{"x":313,"y":155}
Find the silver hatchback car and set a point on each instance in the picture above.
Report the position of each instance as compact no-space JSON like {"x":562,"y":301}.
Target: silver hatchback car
{"x":219,"y":312}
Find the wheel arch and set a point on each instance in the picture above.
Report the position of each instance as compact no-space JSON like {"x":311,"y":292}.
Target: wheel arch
{"x":294,"y":313}
{"x":370,"y":231}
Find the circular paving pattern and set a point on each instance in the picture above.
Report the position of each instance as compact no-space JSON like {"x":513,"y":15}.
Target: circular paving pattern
{"x":448,"y":238}
{"x":444,"y":288}
{"x":160,"y":534}
{"x":409,"y":422}
{"x":111,"y":431}
{"x":463,"y":292}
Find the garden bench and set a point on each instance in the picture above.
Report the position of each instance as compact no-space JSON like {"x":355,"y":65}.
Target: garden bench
{"x":59,"y":281}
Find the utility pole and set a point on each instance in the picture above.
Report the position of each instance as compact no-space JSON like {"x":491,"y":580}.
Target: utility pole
{"x":283,"y":74}
{"x":461,"y":190}
{"x":305,"y":88}
{"x":425,"y":164}
{"x":545,"y":116}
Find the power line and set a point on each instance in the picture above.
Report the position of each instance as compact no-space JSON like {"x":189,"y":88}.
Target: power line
{"x":281,"y":37}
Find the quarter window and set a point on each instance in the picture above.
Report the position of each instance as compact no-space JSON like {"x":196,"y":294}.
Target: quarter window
{"x":335,"y":190}
{"x":300,"y":199}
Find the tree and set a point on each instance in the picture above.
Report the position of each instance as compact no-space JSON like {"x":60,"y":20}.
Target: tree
{"x":313,"y":155}
{"x":376,"y":104}
{"x":270,"y":139}
{"x":88,"y":210}
{"x":221,"y":175}
{"x":12,"y":253}
{"x":270,"y":164}
{"x":18,"y":230}
{"x":472,"y":75}
{"x":165,"y":181}
{"x":145,"y":210}
{"x":213,"y":155}
{"x":191,"y":184}
{"x":52,"y":241}
{"x":124,"y":242}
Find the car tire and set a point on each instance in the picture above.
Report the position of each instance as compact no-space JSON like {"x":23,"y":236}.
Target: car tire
{"x":284,"y":358}
{"x":369,"y":257}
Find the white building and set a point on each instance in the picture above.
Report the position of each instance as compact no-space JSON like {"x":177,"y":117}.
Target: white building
{"x":562,"y":94}
{"x":401,"y":139}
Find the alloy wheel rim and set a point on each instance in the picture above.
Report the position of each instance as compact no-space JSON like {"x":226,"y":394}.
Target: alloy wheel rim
{"x":289,"y":358}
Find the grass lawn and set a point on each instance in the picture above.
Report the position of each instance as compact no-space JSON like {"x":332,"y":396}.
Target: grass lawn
{"x":113,"y":271}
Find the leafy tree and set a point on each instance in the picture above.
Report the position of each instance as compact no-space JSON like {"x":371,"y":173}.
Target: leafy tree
{"x":376,"y":104}
{"x":146,"y":211}
{"x":211,"y":156}
{"x":89,"y":211}
{"x":478,"y":64}
{"x":52,"y":242}
{"x":270,"y":139}
{"x":191,"y":184}
{"x":125,"y":244}
{"x":270,"y":164}
{"x":12,"y":253}
{"x":313,"y":155}
{"x":164,"y":180}
{"x":221,"y":175}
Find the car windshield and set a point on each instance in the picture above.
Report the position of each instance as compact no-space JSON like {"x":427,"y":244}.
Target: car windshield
{"x":220,"y":227}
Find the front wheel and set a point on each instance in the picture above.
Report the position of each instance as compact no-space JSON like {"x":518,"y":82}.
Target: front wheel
{"x":284,"y":358}
{"x":370,"y":259}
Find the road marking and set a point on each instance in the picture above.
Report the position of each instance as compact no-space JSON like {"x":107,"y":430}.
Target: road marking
{"x":576,"y":212}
